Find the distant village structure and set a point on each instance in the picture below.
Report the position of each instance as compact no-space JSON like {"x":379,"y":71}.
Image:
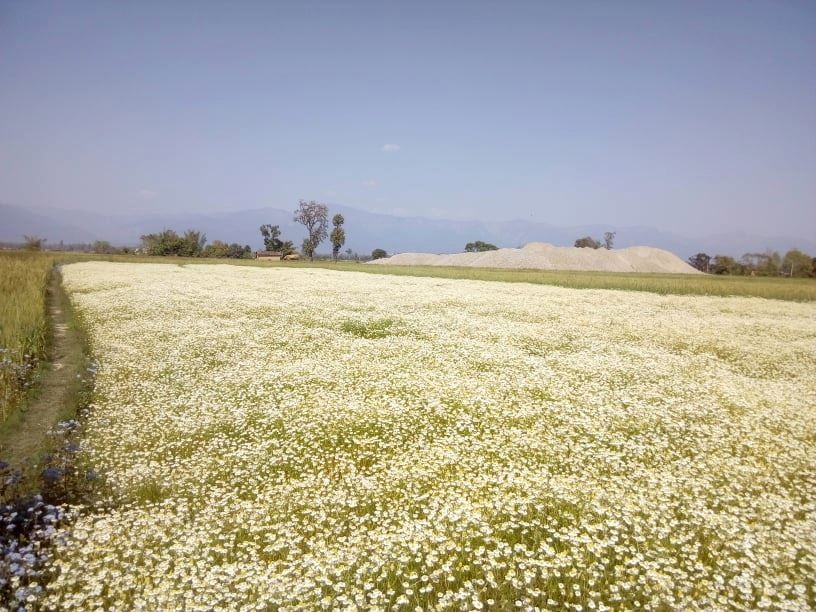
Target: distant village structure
{"x":269,"y":255}
{"x":276,"y":256}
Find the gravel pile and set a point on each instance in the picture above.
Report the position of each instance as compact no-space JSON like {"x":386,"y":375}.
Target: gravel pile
{"x":542,"y":256}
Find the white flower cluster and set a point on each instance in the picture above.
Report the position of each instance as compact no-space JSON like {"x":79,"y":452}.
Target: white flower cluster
{"x":302,"y":438}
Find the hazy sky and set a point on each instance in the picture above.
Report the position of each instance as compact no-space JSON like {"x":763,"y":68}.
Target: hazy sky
{"x":697,"y":117}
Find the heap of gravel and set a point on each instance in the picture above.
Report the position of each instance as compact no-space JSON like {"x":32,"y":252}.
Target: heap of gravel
{"x":542,"y":256}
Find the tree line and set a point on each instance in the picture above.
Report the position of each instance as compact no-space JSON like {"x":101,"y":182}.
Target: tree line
{"x":192,"y":243}
{"x":794,"y":263}
{"x":314,"y":217}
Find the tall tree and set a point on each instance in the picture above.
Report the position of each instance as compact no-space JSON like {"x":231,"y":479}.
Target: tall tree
{"x":193,"y":243}
{"x":701,"y":261}
{"x":315,"y":218}
{"x":271,"y":237}
{"x":338,"y":234}
{"x":767,"y":263}
{"x":723,"y":264}
{"x":797,"y":263}
{"x":609,"y":238}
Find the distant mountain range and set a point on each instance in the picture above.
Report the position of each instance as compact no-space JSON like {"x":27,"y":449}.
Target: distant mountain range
{"x":366,"y":231}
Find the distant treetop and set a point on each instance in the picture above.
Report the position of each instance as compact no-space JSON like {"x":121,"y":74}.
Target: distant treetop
{"x":479,"y":246}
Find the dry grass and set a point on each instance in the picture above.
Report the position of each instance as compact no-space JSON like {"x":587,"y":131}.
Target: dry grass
{"x":23,"y":323}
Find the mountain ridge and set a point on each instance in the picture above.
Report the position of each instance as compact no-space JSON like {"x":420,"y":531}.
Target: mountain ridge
{"x":366,"y":230}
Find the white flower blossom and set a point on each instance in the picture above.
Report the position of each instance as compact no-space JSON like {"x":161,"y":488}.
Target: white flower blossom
{"x":304,"y":438}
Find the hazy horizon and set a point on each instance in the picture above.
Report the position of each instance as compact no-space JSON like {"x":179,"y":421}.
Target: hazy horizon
{"x":694,"y":118}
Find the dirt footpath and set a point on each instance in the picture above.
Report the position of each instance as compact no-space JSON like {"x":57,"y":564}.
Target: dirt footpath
{"x":25,"y":439}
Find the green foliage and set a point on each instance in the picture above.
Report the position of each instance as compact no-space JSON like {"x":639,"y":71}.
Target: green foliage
{"x":271,"y":237}
{"x":588,"y":242}
{"x":479,"y":246}
{"x":701,"y":261}
{"x":797,"y":263}
{"x":368,"y":329}
{"x":763,"y":264}
{"x":723,"y":264}
{"x":338,"y":235}
{"x":168,"y":242}
{"x":221,"y":249}
{"x":192,"y":244}
{"x":378,"y":254}
{"x":609,"y":239}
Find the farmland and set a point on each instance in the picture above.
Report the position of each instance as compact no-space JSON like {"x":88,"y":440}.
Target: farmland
{"x":302,"y":438}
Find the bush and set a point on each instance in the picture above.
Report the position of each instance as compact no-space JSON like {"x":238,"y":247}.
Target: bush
{"x":479,"y":246}
{"x":588,"y":242}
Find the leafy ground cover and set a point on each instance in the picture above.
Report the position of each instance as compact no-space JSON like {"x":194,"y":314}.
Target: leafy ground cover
{"x":300,"y":438}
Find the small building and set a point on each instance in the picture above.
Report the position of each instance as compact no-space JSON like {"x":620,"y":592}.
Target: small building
{"x":268,"y":255}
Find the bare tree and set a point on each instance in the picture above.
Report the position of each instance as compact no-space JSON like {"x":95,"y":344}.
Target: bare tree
{"x":315,"y":218}
{"x":609,"y":237}
{"x":34,"y":243}
{"x":338,"y":235}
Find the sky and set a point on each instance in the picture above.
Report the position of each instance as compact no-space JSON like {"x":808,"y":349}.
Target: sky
{"x":695,"y":117}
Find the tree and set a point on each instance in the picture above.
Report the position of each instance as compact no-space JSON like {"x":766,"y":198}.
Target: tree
{"x":338,"y":235}
{"x":348,"y":253}
{"x":103,"y":247}
{"x":236,"y":251}
{"x":287,"y":248}
{"x":34,"y":243}
{"x":479,"y":246}
{"x":701,"y":261}
{"x":766,"y":264}
{"x":588,"y":242}
{"x":271,"y":237}
{"x":217,"y":248}
{"x":378,"y":254}
{"x":168,"y":242}
{"x":314,"y":217}
{"x":192,"y":243}
{"x":797,"y":263}
{"x":723,"y":264}
{"x":609,"y":238}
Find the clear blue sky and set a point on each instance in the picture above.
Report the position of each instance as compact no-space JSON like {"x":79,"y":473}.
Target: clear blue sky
{"x":696,"y":117}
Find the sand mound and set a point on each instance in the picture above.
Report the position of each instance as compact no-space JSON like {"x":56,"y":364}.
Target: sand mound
{"x":542,"y":256}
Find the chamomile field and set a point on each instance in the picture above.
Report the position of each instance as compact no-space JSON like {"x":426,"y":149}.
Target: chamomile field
{"x":300,"y":438}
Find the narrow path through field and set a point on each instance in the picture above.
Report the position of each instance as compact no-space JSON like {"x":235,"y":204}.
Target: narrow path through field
{"x":25,"y":438}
